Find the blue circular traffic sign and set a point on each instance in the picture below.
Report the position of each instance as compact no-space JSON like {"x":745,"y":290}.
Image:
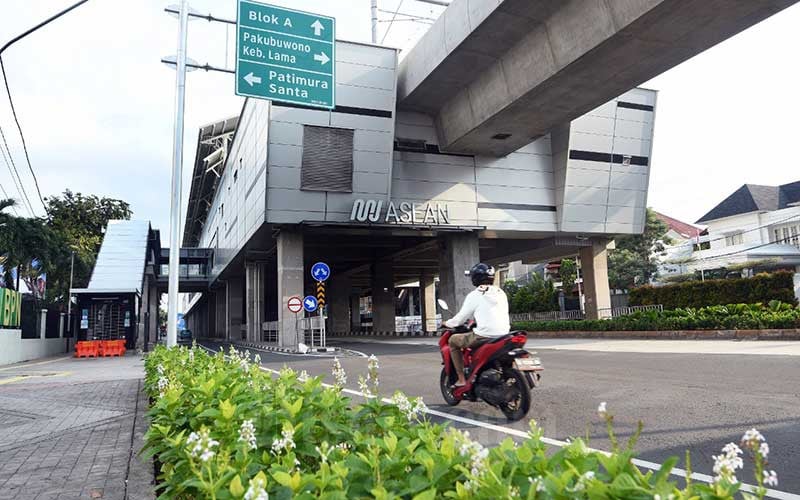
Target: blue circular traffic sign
{"x":320,"y":271}
{"x":310,"y":303}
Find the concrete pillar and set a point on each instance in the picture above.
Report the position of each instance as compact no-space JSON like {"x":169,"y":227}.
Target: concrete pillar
{"x":271,"y":302}
{"x":594,"y":270}
{"x":43,"y":323}
{"x":338,"y":295}
{"x":383,"y":306}
{"x":797,"y":283}
{"x":290,"y":284}
{"x":61,"y":324}
{"x":155,"y":298}
{"x":234,"y":299}
{"x":221,"y":328}
{"x":211,"y":311}
{"x":355,"y":312}
{"x":458,"y":253}
{"x":427,"y":298}
{"x":144,"y":303}
{"x":255,"y":272}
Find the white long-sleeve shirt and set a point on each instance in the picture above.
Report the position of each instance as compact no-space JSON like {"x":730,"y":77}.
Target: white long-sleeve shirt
{"x":488,"y":306}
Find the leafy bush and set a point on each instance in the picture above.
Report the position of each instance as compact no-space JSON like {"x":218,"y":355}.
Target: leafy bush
{"x":537,"y":295}
{"x":223,"y":429}
{"x":730,"y":317}
{"x":760,"y":288}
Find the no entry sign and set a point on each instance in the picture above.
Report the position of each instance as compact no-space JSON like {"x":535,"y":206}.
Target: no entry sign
{"x":295,"y":305}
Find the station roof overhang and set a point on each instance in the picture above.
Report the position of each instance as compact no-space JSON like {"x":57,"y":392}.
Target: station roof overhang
{"x":213,"y":141}
{"x":102,"y":291}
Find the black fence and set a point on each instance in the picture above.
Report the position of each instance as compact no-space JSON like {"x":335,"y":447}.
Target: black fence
{"x":29,"y":320}
{"x":52,"y":324}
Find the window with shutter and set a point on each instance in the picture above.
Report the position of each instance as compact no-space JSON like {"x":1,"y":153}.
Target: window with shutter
{"x":327,"y":159}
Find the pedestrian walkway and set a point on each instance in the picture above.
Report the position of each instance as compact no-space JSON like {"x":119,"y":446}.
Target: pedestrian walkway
{"x":71,"y":428}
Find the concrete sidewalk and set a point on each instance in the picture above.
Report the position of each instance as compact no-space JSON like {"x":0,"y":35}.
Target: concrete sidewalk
{"x":71,"y":428}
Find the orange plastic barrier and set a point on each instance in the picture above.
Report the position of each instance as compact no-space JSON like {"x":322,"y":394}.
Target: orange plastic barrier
{"x":87,"y":349}
{"x":112,"y":347}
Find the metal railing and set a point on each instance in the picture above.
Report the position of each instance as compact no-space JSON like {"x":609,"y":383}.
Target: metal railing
{"x":269,"y":332}
{"x":313,"y":329}
{"x":614,"y":312}
{"x":547,"y":316}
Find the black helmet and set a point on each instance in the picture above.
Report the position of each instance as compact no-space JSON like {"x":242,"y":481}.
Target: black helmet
{"x":481,"y":274}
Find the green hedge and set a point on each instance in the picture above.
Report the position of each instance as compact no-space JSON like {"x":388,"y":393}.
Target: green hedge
{"x":760,"y":288}
{"x":730,"y":317}
{"x":223,"y":429}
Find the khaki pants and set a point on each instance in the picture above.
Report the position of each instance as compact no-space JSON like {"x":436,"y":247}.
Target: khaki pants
{"x":458,"y":342}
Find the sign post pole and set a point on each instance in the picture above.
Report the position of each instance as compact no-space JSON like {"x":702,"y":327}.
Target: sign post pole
{"x":177,"y":169}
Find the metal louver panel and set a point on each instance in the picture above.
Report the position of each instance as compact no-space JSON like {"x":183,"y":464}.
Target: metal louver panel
{"x":327,"y":159}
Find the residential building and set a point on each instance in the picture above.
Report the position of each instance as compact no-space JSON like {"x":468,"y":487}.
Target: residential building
{"x":756,"y":228}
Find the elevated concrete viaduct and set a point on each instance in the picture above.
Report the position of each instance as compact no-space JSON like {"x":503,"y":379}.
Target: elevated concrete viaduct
{"x":497,"y":74}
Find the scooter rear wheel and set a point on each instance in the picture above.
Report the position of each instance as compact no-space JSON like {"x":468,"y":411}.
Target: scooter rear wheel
{"x":445,"y":383}
{"x":518,"y":406}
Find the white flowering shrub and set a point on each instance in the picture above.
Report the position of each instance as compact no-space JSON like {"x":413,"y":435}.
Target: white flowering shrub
{"x":223,"y":429}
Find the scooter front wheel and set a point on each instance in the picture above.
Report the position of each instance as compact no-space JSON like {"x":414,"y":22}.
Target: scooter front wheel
{"x":445,"y":384}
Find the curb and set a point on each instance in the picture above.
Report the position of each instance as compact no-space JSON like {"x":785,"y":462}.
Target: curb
{"x":285,"y":350}
{"x":383,"y":334}
{"x":763,"y":335}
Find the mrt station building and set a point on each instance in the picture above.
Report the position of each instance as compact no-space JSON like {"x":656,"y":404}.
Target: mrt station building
{"x":414,"y":175}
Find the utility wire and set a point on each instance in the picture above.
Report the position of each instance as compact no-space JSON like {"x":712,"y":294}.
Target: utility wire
{"x":24,"y":145}
{"x":392,"y":21}
{"x":8,"y":90}
{"x":17,"y":180}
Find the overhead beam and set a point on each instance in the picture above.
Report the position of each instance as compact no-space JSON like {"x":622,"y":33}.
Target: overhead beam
{"x":497,"y":74}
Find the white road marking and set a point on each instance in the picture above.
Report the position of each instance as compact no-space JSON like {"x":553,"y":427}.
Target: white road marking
{"x":26,"y":365}
{"x":654,"y":346}
{"x":298,"y":355}
{"x":782,"y":495}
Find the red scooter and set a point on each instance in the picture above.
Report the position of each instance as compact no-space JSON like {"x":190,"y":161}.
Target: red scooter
{"x":498,"y":371}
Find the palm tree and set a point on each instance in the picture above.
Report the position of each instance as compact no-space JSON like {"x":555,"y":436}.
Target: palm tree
{"x":4,"y":204}
{"x":5,"y":218}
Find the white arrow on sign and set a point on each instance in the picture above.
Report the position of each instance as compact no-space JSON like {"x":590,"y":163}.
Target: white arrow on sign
{"x":251,"y":78}
{"x":322,"y":57}
{"x":318,"y":27}
{"x":310,"y":303}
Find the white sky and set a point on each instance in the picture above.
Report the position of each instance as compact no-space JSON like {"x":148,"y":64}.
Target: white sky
{"x":96,"y":105}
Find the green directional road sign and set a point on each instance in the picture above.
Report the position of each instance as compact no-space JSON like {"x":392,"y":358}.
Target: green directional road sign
{"x":285,"y":55}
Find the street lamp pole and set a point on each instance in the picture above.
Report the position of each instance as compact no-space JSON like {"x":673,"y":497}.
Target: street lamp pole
{"x":69,"y":295}
{"x":177,"y":169}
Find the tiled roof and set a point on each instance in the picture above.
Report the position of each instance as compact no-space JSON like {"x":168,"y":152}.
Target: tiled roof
{"x":683,"y":228}
{"x":755,"y":198}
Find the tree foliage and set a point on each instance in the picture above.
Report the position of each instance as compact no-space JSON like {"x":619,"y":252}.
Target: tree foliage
{"x":538,"y":295}
{"x":75,"y":223}
{"x":29,"y":245}
{"x":79,"y":221}
{"x":569,"y":275}
{"x":634,"y":262}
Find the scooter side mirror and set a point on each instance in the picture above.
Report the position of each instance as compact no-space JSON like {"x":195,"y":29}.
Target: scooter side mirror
{"x":443,"y":305}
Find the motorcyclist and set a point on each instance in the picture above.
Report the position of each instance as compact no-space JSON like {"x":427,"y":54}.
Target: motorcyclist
{"x":488,"y":306}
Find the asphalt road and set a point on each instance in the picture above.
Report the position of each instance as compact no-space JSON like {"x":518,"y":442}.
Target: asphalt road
{"x":687,"y":401}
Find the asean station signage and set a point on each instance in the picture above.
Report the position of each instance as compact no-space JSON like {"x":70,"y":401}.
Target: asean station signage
{"x":285,"y":55}
{"x":10,"y":308}
{"x":379,"y":212}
